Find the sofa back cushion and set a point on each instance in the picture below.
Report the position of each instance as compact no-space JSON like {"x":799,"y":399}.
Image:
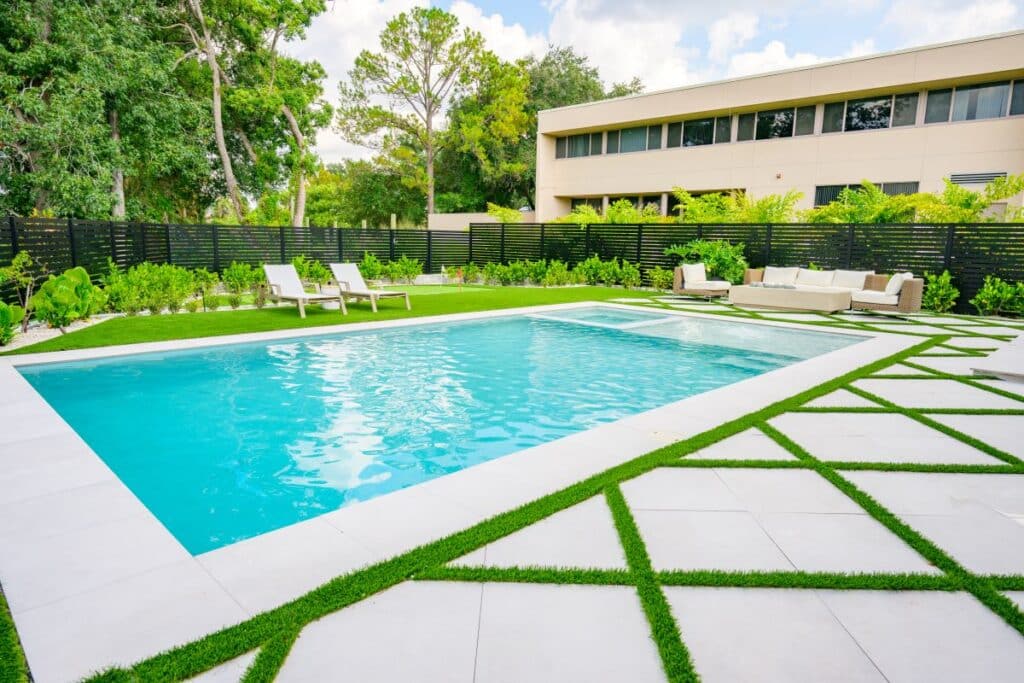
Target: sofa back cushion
{"x":694,"y":272}
{"x":815,"y":278}
{"x":896,"y":282}
{"x":851,"y":279}
{"x":779,"y":276}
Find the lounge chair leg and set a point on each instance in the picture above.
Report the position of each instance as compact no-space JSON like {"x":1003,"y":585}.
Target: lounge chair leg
{"x":302,"y":308}
{"x":373,"y":303}
{"x":344,"y":309}
{"x":408,"y":306}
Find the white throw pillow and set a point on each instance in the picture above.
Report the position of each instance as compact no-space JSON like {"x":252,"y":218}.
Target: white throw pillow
{"x":694,"y":272}
{"x":779,"y":276}
{"x":851,"y":279}
{"x":895,"y":283}
{"x":815,"y":278}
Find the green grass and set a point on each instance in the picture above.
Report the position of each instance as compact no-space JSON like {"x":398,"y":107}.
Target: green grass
{"x":191,"y":325}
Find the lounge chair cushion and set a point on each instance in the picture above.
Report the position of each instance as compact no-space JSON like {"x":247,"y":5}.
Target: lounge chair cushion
{"x":895,"y":283}
{"x":707,"y":285}
{"x":779,"y":276}
{"x":816,"y":278}
{"x":694,"y":272}
{"x":851,"y":279}
{"x":870,"y":296}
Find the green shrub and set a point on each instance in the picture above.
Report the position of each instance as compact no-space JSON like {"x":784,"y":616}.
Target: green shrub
{"x":405,"y":269}
{"x":536,"y":271}
{"x":23,"y":273}
{"x":64,"y":298}
{"x":192,"y":305}
{"x":309,"y":270}
{"x":720,"y":259}
{"x":470,"y":273}
{"x":123,"y":291}
{"x":660,"y":278}
{"x":589,"y":271}
{"x":494,"y":273}
{"x":212,"y":302}
{"x":629,"y":275}
{"x":205,"y":283}
{"x":237,"y":278}
{"x":517,"y":272}
{"x":997,"y":297}
{"x":10,"y":318}
{"x":609,"y":273}
{"x":557,"y":274}
{"x":370,"y":267}
{"x":504,"y":214}
{"x":234,"y":300}
{"x":178,"y":285}
{"x":939,"y":293}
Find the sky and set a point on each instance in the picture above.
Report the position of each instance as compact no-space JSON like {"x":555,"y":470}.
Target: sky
{"x":666,"y":43}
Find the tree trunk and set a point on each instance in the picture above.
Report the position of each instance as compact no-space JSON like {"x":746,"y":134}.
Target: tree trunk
{"x":118,"y":212}
{"x":299,"y":212}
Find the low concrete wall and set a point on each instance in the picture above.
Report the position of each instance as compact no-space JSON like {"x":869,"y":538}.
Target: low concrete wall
{"x":461,"y":221}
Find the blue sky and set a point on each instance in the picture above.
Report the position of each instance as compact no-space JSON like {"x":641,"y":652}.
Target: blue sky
{"x":666,"y":43}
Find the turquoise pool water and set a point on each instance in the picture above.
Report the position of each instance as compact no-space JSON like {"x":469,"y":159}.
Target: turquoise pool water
{"x":229,"y":442}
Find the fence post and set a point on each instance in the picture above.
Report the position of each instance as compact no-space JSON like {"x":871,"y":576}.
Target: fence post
{"x":501,"y":258}
{"x":469,"y":258}
{"x":113,"y":244}
{"x":542,"y":242}
{"x":167,"y":241}
{"x":768,"y":244}
{"x":947,"y":253}
{"x":140,"y":232}
{"x":391,"y":244}
{"x":639,"y":241}
{"x":216,"y":247}
{"x":281,"y":231}
{"x":341,"y":245}
{"x":71,"y":241}
{"x":14,"y":234}
{"x":849,"y":246}
{"x":428,"y":269}
{"x":586,"y":242}
{"x":700,"y":231}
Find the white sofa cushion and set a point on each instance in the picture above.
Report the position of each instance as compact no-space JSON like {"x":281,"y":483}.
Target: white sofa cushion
{"x":870,"y":296}
{"x":895,"y":283}
{"x":694,"y":272}
{"x":815,"y":278}
{"x":851,"y":279}
{"x":709,"y":285}
{"x":779,"y":276}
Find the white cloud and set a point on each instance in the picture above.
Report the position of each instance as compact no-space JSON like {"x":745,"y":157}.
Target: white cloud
{"x":926,"y":21}
{"x":775,"y":57}
{"x":730,"y":33}
{"x":508,"y":41}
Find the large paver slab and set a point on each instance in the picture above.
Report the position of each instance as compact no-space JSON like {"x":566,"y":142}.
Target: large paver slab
{"x":1005,"y":432}
{"x":998,"y":330}
{"x":230,"y":672}
{"x":48,"y":464}
{"x":935,"y":393}
{"x":1017,"y":597}
{"x":985,"y":542}
{"x":930,"y":635}
{"x":767,"y":636}
{"x":976,"y":343}
{"x":786,"y":491}
{"x":581,"y":536}
{"x":841,"y":399}
{"x":902,"y":369}
{"x":876,"y":437}
{"x":752,"y":444}
{"x":416,"y":631}
{"x":1012,"y":387}
{"x":955,"y":365}
{"x":923,"y":330}
{"x":533,"y":632}
{"x":679,"y":489}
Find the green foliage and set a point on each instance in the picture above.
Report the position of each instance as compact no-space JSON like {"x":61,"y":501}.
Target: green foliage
{"x":494,"y":273}
{"x":939,"y":293}
{"x":150,"y":286}
{"x":660,"y":278}
{"x":470,"y":273}
{"x":237,"y":278}
{"x":998,"y":297}
{"x":583,"y":215}
{"x":10,"y":318}
{"x":205,"y":284}
{"x":720,"y":258}
{"x":609,"y":272}
{"x":517,"y":271}
{"x":370,"y":267}
{"x":588,"y":271}
{"x":557,"y":274}
{"x":623,"y":212}
{"x":234,"y":300}
{"x":310,"y":270}
{"x":22,"y":273}
{"x":67,"y":297}
{"x":504,"y":214}
{"x":192,"y":305}
{"x":629,"y":275}
{"x":348,"y":193}
{"x":405,"y":269}
{"x":735,"y":207}
{"x":536,"y":271}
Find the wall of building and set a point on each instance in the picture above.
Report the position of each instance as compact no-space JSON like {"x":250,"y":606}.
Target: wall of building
{"x":461,"y":221}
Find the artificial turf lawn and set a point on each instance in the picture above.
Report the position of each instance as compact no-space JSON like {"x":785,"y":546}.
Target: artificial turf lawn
{"x":274,"y":632}
{"x":150,"y":328}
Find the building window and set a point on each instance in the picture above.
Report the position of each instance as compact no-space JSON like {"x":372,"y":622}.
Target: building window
{"x":893,"y":189}
{"x":698,"y":132}
{"x":593,"y":202}
{"x":654,"y":137}
{"x":633,"y":139}
{"x":1017,"y":101}
{"x":560,"y":144}
{"x":904,"y":109}
{"x":826,"y":194}
{"x":723,"y":129}
{"x":634,"y":200}
{"x":612,"y":144}
{"x":986,"y":101}
{"x":579,"y":145}
{"x":774,"y":123}
{"x":868,"y":113}
{"x":832,"y":121}
{"x":745,"y":127}
{"x":805,"y":120}
{"x":675,"y":135}
{"x":595,"y":144}
{"x":937,"y":108}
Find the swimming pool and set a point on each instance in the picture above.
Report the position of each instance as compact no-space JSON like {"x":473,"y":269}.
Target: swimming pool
{"x":228,"y":442}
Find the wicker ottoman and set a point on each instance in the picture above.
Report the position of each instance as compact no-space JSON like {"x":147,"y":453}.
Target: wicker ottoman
{"x":827,"y":299}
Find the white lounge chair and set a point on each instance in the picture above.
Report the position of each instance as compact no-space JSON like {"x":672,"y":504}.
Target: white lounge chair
{"x":350,"y":282}
{"x":285,"y":285}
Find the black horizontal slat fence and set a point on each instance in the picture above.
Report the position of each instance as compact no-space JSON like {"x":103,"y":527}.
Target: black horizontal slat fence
{"x":968,"y":251}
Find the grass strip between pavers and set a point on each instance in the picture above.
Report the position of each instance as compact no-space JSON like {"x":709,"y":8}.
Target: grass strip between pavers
{"x":13,"y":667}
{"x":563,"y":575}
{"x":271,"y":657}
{"x":812,"y":580}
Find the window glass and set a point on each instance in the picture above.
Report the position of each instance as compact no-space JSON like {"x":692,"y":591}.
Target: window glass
{"x":985,"y":101}
{"x":723,"y":129}
{"x":745,"y":127}
{"x":698,"y":132}
{"x":774,"y":123}
{"x":654,"y":137}
{"x":868,"y":113}
{"x":937,"y":108}
{"x":805,"y":120}
{"x":633,"y":139}
{"x":594,"y":202}
{"x":675,"y":135}
{"x":595,"y":143}
{"x":1017,"y":103}
{"x":832,"y":121}
{"x":904,"y":110}
{"x":579,"y":145}
{"x":560,"y":148}
{"x":612,"y":146}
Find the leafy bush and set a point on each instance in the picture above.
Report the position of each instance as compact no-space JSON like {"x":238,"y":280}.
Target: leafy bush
{"x":23,"y":272}
{"x":309,"y":270}
{"x":504,"y":214}
{"x":234,"y":300}
{"x":64,"y":298}
{"x":589,"y":271}
{"x":10,"y":317}
{"x":370,"y":267}
{"x":997,"y":297}
{"x":629,"y":275}
{"x":405,"y":269}
{"x":660,"y":278}
{"x":557,"y":274}
{"x":536,"y":271}
{"x":237,"y":278}
{"x":493,"y":273}
{"x":609,"y":273}
{"x":517,"y":272}
{"x":939,"y":293}
{"x":720,"y":259}
{"x":470,"y":273}
{"x":192,"y":305}
{"x":205,"y":283}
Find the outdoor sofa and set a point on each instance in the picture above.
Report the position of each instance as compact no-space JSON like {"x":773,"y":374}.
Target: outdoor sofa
{"x":691,"y":280}
{"x":351,"y":284}
{"x":827,"y":290}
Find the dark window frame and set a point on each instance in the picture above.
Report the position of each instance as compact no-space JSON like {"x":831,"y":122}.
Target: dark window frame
{"x":674,"y":137}
{"x":697,"y":132}
{"x":746,"y":126}
{"x":561,"y":145}
{"x":937,"y":105}
{"x":723,"y":124}
{"x":811,"y":109}
{"x":853,"y":120}
{"x":774,"y":126}
{"x":836,"y":110}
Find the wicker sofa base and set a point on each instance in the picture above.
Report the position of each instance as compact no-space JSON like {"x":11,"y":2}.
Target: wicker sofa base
{"x":790,"y":299}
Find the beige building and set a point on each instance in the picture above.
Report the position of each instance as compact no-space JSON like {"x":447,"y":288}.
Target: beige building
{"x":904,"y":119}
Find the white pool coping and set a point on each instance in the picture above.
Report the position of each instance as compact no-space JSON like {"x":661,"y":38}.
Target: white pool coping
{"x":93,"y":579}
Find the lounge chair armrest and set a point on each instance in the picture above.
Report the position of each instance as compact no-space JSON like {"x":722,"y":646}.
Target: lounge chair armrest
{"x":911,"y":294}
{"x":753,"y":275}
{"x":876,"y":283}
{"x":344,"y":286}
{"x":677,"y":278}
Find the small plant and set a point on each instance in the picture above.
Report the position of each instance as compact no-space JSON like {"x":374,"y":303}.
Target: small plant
{"x":370,"y":267}
{"x":494,"y":273}
{"x":609,"y":272}
{"x":557,"y":274}
{"x":720,"y":259}
{"x":123,"y":293}
{"x":237,"y":278}
{"x":589,"y":271}
{"x":234,"y":300}
{"x":67,"y":297}
{"x":939,"y":293}
{"x":212,"y":302}
{"x":23,"y":273}
{"x":660,"y":278}
{"x":997,"y":297}
{"x":10,"y":317}
{"x":192,"y":305}
{"x":629,"y":275}
{"x":536,"y":271}
{"x":205,"y":284}
{"x":311,"y":271}
{"x":406,"y":269}
{"x":517,"y":272}
{"x":470,"y":273}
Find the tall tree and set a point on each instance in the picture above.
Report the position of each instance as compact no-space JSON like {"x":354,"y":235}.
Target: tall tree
{"x":424,"y":59}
